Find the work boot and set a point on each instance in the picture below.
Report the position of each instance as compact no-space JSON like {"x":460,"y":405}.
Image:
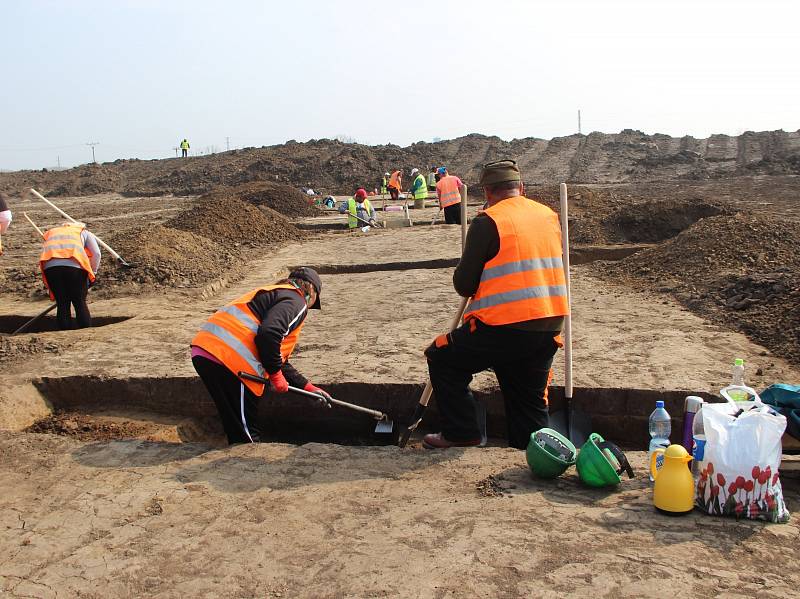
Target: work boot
{"x":437,"y":441}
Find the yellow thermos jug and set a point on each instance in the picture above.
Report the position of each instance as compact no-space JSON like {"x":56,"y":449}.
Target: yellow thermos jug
{"x":673,"y":492}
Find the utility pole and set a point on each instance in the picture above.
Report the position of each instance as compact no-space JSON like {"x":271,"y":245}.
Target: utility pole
{"x":58,"y":158}
{"x":579,"y":121}
{"x":228,"y":143}
{"x":93,"y":144}
{"x":176,"y":152}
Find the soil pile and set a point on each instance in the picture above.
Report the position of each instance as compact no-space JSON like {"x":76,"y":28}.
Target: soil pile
{"x":280,"y":197}
{"x":164,"y":256}
{"x":233,"y":223}
{"x":83,"y":427}
{"x":331,"y":166}
{"x":18,"y":348}
{"x":742,"y":271}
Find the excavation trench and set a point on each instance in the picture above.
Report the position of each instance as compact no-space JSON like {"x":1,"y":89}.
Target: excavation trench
{"x":11,"y":322}
{"x":178,"y":409}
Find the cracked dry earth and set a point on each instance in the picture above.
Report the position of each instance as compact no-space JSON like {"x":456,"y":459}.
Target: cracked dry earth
{"x":103,"y":518}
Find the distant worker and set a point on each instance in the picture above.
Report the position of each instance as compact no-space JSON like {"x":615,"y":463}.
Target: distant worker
{"x":511,"y":268}
{"x":5,"y":217}
{"x":384,"y":183}
{"x":184,"y":148}
{"x":449,"y":191}
{"x":358,"y":206}
{"x":432,"y":179}
{"x":255,"y":333}
{"x":395,"y":184}
{"x":419,"y":190}
{"x":69,"y":261}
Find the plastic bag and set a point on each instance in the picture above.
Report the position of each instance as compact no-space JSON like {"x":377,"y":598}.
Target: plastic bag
{"x":739,"y":473}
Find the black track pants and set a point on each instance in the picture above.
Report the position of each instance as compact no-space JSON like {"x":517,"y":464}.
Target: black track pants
{"x":520,"y":359}
{"x":237,"y":409}
{"x":69,"y":286}
{"x":452,"y":214}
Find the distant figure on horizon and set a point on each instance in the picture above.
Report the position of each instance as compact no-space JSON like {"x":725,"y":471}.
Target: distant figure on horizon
{"x":184,"y":148}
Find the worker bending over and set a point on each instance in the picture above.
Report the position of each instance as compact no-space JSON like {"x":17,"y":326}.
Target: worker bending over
{"x":255,"y":333}
{"x":449,"y":191}
{"x":511,"y":268}
{"x":69,"y":261}
{"x":358,"y":206}
{"x":432,"y":179}
{"x":395,"y":184}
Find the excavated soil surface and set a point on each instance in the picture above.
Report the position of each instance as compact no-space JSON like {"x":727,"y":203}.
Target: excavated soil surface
{"x":280,"y":197}
{"x":742,"y":271}
{"x":235,"y":224}
{"x":91,"y":428}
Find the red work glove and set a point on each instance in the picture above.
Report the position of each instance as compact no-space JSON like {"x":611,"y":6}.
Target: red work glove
{"x":324,"y":399}
{"x":278,"y":382}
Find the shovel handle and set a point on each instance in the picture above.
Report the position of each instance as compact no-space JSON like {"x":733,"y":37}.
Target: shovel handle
{"x":568,"y":319}
{"x":374,"y":413}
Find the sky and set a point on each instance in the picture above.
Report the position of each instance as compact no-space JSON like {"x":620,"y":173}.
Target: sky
{"x":137,"y":76}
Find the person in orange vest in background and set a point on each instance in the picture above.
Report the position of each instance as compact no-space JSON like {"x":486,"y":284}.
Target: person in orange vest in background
{"x":255,"y":333}
{"x":448,"y":188}
{"x":395,"y":184}
{"x":512,"y":270}
{"x":69,"y":262}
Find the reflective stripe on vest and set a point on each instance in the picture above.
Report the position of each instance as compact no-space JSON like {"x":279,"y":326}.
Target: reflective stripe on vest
{"x":447,"y":188}
{"x":352,"y":221}
{"x":229,"y":335}
{"x":64,"y":242}
{"x":421,"y":192}
{"x":394,"y":180}
{"x":525,"y":281}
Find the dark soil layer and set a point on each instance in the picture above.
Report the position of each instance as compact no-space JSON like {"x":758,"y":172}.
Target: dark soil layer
{"x":330,"y":166}
{"x":233,"y":223}
{"x":742,"y":271}
{"x":86,"y":428}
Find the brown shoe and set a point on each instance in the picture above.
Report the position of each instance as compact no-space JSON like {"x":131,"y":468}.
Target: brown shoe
{"x":437,"y":441}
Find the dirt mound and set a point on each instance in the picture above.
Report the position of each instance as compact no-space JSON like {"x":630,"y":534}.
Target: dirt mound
{"x":89,"y":428}
{"x":740,"y":271}
{"x":655,"y":221}
{"x":280,"y":197}
{"x":164,"y":256}
{"x":233,"y":223}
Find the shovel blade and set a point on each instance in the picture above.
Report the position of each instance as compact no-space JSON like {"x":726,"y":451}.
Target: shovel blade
{"x":384,"y":426}
{"x":573,"y":424}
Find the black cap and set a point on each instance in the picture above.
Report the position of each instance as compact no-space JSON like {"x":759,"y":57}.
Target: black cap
{"x":305,"y":273}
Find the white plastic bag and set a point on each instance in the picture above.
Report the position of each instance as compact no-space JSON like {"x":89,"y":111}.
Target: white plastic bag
{"x":739,"y":474}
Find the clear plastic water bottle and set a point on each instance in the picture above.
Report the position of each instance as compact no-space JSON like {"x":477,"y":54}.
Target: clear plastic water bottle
{"x":698,"y":444}
{"x":660,"y":428}
{"x":737,"y":378}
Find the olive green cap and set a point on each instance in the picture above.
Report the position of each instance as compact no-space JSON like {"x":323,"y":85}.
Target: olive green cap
{"x":499,"y":171}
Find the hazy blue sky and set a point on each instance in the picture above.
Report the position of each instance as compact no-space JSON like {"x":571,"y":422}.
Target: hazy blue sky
{"x":139,"y":75}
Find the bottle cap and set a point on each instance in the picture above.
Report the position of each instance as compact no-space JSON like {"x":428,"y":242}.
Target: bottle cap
{"x":659,"y":404}
{"x":738,"y":362}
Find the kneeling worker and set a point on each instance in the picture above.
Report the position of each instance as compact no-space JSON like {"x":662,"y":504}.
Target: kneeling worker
{"x":255,"y":333}
{"x":69,"y":261}
{"x":511,"y":268}
{"x":358,"y":206}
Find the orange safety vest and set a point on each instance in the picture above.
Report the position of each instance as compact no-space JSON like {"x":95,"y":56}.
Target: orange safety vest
{"x":230,"y":336}
{"x":64,"y":242}
{"x":394,"y":180}
{"x":447,"y":188}
{"x":525,"y":280}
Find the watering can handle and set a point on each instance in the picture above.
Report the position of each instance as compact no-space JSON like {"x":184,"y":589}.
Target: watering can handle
{"x":653,"y":458}
{"x":746,"y":389}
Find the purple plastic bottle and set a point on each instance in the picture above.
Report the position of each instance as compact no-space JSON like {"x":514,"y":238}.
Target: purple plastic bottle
{"x":690,"y":407}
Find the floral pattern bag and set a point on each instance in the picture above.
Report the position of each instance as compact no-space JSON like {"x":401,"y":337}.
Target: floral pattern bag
{"x":739,"y":473}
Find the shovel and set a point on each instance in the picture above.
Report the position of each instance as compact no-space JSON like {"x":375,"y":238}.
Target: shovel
{"x":573,"y":424}
{"x":69,"y":218}
{"x":384,"y":424}
{"x":375,"y":224}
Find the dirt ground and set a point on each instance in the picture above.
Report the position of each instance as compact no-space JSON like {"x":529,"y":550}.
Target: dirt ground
{"x":115,"y":503}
